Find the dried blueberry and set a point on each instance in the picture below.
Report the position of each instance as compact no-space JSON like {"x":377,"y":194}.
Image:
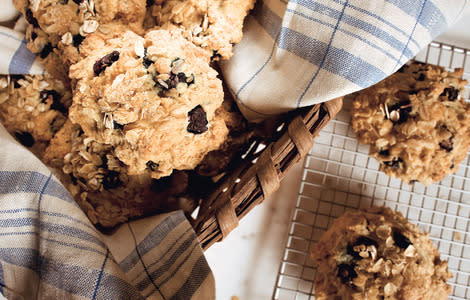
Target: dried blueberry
{"x":363,"y":240}
{"x":451,"y":93}
{"x":447,"y":145}
{"x":197,"y":120}
{"x":14,"y":79}
{"x":30,"y":18}
{"x":421,"y":77}
{"x":384,"y":152}
{"x":111,"y":180}
{"x":25,"y":138}
{"x":46,"y":50}
{"x":104,"y":62}
{"x":104,"y":162}
{"x":150,"y":3}
{"x":394,"y":163}
{"x":215,"y":55}
{"x":346,"y":273}
{"x":73,"y":178}
{"x":153,"y":166}
{"x":77,"y":40}
{"x":146,"y":62}
{"x":116,"y":125}
{"x":403,"y":108}
{"x":402,"y":69}
{"x":34,"y":35}
{"x":55,"y":97}
{"x":400,"y":240}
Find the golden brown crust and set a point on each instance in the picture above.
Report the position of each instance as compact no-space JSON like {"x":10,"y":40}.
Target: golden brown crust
{"x":214,"y":25}
{"x":376,"y":253}
{"x":33,"y":108}
{"x":416,"y":122}
{"x":57,"y":28}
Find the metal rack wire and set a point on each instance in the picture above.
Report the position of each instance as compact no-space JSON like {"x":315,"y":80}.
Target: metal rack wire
{"x":339,"y":175}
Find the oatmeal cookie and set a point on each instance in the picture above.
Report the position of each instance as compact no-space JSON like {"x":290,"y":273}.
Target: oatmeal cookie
{"x":214,"y":25}
{"x":100,"y":183}
{"x":57,"y":28}
{"x":416,"y":121}
{"x":238,"y":141}
{"x":33,"y":108}
{"x":153,"y":98}
{"x":376,"y":253}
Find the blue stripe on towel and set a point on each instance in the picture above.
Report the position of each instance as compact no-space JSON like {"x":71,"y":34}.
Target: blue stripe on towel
{"x":98,"y":281}
{"x":153,"y":239}
{"x":355,"y":22}
{"x":2,"y":278}
{"x":325,"y":54}
{"x":432,"y":18}
{"x":68,"y":277}
{"x":53,"y":214}
{"x":347,"y":32}
{"x":22,"y":60}
{"x":169,"y":263}
{"x":12,"y":182}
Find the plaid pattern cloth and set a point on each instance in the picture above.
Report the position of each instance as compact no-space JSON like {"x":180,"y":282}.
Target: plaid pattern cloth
{"x":50,"y":250}
{"x":301,"y":52}
{"x":294,"y":53}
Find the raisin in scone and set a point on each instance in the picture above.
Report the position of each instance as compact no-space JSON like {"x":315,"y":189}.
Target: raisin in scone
{"x":153,"y":98}
{"x":57,"y":28}
{"x":100,"y":183}
{"x":33,"y":108}
{"x":376,"y":253}
{"x":416,"y":121}
{"x":214,"y":25}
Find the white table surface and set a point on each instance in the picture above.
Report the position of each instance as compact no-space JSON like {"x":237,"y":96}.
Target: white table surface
{"x":247,"y":262}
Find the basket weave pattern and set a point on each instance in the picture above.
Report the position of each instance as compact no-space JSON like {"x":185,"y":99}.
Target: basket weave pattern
{"x":260,"y":173}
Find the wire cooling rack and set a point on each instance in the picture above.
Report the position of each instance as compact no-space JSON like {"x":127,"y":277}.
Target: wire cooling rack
{"x":339,"y":175}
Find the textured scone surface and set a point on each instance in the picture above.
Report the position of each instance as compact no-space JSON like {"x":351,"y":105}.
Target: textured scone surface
{"x":99,"y":181}
{"x":214,"y":25}
{"x":376,"y":253}
{"x":57,"y":28}
{"x":153,"y":98}
{"x":416,"y":121}
{"x":33,"y":108}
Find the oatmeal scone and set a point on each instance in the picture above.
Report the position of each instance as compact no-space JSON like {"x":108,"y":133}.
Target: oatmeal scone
{"x":376,"y":253}
{"x":214,"y":25}
{"x":100,"y":183}
{"x":57,"y":28}
{"x":33,"y":108}
{"x":153,"y":98}
{"x":416,"y":121}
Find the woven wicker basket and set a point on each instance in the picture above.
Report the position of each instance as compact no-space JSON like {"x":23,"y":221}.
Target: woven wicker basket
{"x":260,"y":171}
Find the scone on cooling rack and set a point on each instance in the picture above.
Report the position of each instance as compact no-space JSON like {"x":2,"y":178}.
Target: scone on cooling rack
{"x":152,"y":98}
{"x":376,"y":253}
{"x":416,"y":122}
